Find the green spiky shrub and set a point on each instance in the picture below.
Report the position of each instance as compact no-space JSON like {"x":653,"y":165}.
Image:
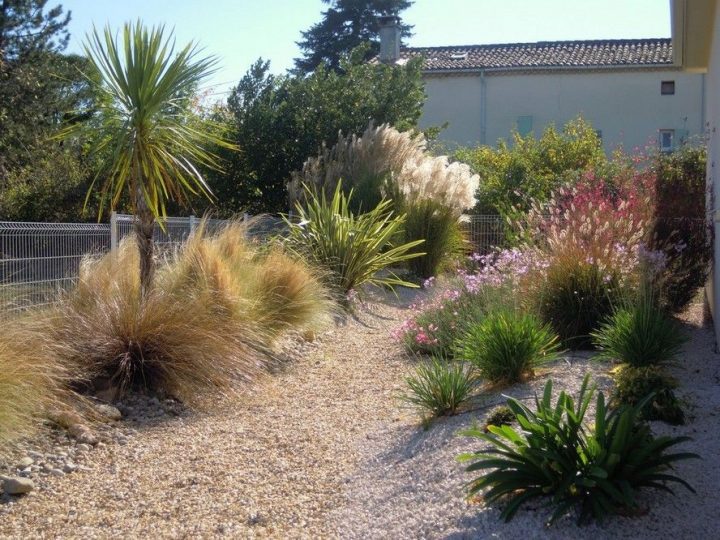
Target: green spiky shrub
{"x":640,"y":334}
{"x":353,"y":249}
{"x":633,"y":384}
{"x":506,"y":346}
{"x":595,"y":470}
{"x":439,"y":387}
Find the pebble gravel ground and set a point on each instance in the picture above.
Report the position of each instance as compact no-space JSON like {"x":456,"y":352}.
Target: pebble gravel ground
{"x":322,"y":449}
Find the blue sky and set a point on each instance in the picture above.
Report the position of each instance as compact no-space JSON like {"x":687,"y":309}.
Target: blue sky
{"x":240,"y":31}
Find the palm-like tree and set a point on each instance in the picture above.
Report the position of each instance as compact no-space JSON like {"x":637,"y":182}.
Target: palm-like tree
{"x":154,"y":151}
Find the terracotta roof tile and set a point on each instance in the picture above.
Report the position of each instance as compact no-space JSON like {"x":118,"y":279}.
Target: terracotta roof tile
{"x":546,"y":54}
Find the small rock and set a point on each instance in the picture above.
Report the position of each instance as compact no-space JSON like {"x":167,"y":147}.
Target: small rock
{"x":18,"y":486}
{"x":69,"y":468}
{"x":25,"y":462}
{"x":84,"y":447}
{"x":35,"y":455}
{"x":65,"y":419}
{"x":57,"y":472}
{"x":108,"y":411}
{"x":83,"y":434}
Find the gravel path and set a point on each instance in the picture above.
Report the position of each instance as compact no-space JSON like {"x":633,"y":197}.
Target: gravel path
{"x":321,"y":449}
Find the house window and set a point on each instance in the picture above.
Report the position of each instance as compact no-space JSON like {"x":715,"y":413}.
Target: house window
{"x":667,"y":139}
{"x":667,"y":88}
{"x":524,"y":125}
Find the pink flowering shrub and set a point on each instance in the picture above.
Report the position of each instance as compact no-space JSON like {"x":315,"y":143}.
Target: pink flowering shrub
{"x":434,"y":325}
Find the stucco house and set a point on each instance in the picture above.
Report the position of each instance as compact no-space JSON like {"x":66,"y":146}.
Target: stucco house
{"x":631,"y":90}
{"x":696,"y":47}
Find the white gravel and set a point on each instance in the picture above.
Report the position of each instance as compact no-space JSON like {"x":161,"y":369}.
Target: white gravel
{"x":409,"y":484}
{"x":323,"y":449}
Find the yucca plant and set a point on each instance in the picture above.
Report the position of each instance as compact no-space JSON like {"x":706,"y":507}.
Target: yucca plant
{"x":154,"y":152}
{"x":506,"y":346}
{"x":353,"y":249}
{"x":439,"y":387}
{"x":639,"y":334}
{"x":596,"y":470}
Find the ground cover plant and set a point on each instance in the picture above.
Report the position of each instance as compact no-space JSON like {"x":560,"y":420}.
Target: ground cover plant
{"x":352,"y":249}
{"x":437,"y":324}
{"x":506,"y":346}
{"x":596,"y":471}
{"x":634,"y":384}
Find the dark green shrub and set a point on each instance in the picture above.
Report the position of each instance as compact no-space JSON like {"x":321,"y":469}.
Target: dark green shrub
{"x":680,"y":229}
{"x":531,"y":168}
{"x":438,"y":225}
{"x":575,"y":297}
{"x":439,"y":387}
{"x":639,"y":334}
{"x":597,"y":471}
{"x":634,"y":384}
{"x":506,"y":346}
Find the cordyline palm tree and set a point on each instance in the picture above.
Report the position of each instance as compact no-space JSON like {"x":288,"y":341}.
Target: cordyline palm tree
{"x":143,"y":126}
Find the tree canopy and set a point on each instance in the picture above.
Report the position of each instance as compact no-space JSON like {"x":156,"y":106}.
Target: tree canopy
{"x":279,"y":121}
{"x":345,"y":25}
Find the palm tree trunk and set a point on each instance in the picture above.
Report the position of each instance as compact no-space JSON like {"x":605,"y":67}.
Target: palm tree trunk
{"x":144,"y":226}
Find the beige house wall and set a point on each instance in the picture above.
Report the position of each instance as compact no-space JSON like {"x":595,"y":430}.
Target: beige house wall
{"x":626,"y":106}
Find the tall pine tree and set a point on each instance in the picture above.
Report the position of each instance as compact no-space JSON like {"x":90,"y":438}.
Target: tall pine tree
{"x":345,"y":25}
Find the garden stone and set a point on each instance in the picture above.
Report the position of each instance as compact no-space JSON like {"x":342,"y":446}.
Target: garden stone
{"x":57,"y":472}
{"x":108,"y":411}
{"x":18,"y":486}
{"x":69,"y":468}
{"x":65,"y":419}
{"x":25,"y":462}
{"x":83,"y":434}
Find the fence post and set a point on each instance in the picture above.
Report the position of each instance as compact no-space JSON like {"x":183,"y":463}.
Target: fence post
{"x":193,"y":224}
{"x":113,"y":232}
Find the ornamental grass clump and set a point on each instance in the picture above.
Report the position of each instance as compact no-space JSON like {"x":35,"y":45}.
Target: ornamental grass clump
{"x":596,"y":470}
{"x":439,"y":386}
{"x":352,"y":250}
{"x":32,"y":382}
{"x":385,"y":163}
{"x":208,"y":321}
{"x":639,"y":333}
{"x":506,"y":346}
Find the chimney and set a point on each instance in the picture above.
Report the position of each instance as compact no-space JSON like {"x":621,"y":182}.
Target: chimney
{"x":389,"y":38}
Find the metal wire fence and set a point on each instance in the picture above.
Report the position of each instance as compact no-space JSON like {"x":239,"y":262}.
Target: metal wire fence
{"x":485,"y":232}
{"x":38,"y":260}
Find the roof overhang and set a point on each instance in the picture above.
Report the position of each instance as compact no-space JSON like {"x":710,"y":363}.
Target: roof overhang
{"x":692,"y":31}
